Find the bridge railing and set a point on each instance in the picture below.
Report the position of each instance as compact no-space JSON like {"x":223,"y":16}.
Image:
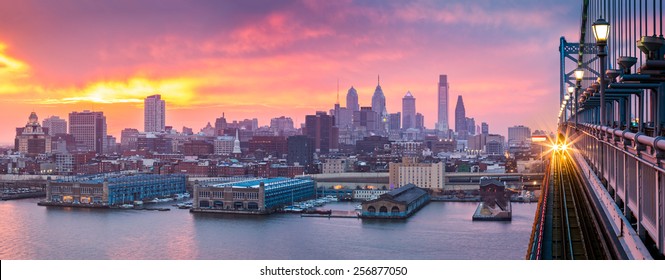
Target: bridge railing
{"x":632,"y":168}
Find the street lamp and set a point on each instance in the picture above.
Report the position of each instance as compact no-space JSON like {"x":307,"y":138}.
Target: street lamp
{"x":579,"y":75}
{"x":601,"y":30}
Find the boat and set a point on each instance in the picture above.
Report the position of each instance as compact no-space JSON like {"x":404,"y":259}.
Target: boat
{"x":184,"y":205}
{"x":126,"y":206}
{"x":292,"y":208}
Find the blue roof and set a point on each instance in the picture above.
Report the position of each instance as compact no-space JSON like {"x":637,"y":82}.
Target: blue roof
{"x":254,"y":183}
{"x":114,"y":177}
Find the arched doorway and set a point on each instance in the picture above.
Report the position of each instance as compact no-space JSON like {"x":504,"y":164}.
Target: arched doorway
{"x":371,"y":209}
{"x":383,"y":209}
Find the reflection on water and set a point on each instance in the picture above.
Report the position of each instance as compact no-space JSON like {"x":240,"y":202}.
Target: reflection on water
{"x":438,"y":231}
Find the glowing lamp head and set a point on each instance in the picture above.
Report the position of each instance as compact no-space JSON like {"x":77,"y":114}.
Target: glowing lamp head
{"x":601,"y":30}
{"x":579,"y":74}
{"x":571,"y":90}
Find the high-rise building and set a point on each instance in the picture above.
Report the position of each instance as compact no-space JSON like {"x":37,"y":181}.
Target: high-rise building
{"x":379,"y":106}
{"x":442,"y":121}
{"x":366,"y":119}
{"x":352,"y":100}
{"x":420,"y":121}
{"x":519,"y":134}
{"x":154,"y":113}
{"x":300,"y":149}
{"x":471,"y":126}
{"x":394,"y":121}
{"x":409,"y":171}
{"x":321,"y":127}
{"x":89,"y":130}
{"x":129,"y":139}
{"x":55,"y":125}
{"x":281,"y":124}
{"x":32,"y":139}
{"x":408,"y":111}
{"x":220,"y":125}
{"x":484,"y":128}
{"x":460,"y":116}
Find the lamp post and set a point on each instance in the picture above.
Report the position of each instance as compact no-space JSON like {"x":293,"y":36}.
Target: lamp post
{"x":601,"y":30}
{"x":579,"y":75}
{"x":573,"y":106}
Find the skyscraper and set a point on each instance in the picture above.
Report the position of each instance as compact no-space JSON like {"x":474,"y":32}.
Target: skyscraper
{"x":471,"y":126}
{"x":442,"y":121}
{"x":321,"y":127}
{"x":89,"y":130}
{"x":379,"y":106}
{"x":484,"y":128}
{"x":55,"y":125}
{"x":460,"y":116}
{"x":408,"y":111}
{"x":352,"y":100}
{"x":154,"y":113}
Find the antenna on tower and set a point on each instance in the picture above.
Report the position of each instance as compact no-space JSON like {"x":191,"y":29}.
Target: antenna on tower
{"x":337,"y":90}
{"x":378,"y":80}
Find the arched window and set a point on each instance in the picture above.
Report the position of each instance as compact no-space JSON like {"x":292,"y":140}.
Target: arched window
{"x":383,"y":209}
{"x":371,"y":209}
{"x":238,"y":205}
{"x":395,"y":209}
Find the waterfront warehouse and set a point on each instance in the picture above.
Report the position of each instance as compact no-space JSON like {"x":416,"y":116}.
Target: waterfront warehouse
{"x":112,"y":189}
{"x":397,"y":204}
{"x":256,"y":196}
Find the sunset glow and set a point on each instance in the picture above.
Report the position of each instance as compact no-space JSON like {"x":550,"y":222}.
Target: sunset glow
{"x":269,"y":59}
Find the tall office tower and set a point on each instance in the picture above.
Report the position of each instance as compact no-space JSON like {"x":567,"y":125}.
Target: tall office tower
{"x":89,"y":130}
{"x":442,"y":121}
{"x":321,"y":127}
{"x":460,"y":115}
{"x":55,"y":125}
{"x":379,"y":101}
{"x":394,"y":121}
{"x":352,"y":100}
{"x":366,"y":119}
{"x":420,"y":121}
{"x":471,"y":126}
{"x":154,"y":113}
{"x":220,"y":125}
{"x":484,"y":128}
{"x":408,"y":111}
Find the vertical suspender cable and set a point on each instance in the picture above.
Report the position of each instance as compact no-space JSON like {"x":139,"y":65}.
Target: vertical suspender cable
{"x":654,"y":18}
{"x":661,"y":18}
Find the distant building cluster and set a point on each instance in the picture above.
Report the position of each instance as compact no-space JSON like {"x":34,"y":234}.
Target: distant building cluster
{"x":354,"y":138}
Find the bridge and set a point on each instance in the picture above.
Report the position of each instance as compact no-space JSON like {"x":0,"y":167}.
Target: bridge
{"x":604,"y":188}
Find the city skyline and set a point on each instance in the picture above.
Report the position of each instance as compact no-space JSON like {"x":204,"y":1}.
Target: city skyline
{"x":260,"y":63}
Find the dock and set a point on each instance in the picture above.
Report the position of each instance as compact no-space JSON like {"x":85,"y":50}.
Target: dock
{"x":333,"y":214}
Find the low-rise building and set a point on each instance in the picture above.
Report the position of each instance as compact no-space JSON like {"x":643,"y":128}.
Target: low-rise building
{"x":397,"y":204}
{"x":111,"y":189}
{"x":256,"y":196}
